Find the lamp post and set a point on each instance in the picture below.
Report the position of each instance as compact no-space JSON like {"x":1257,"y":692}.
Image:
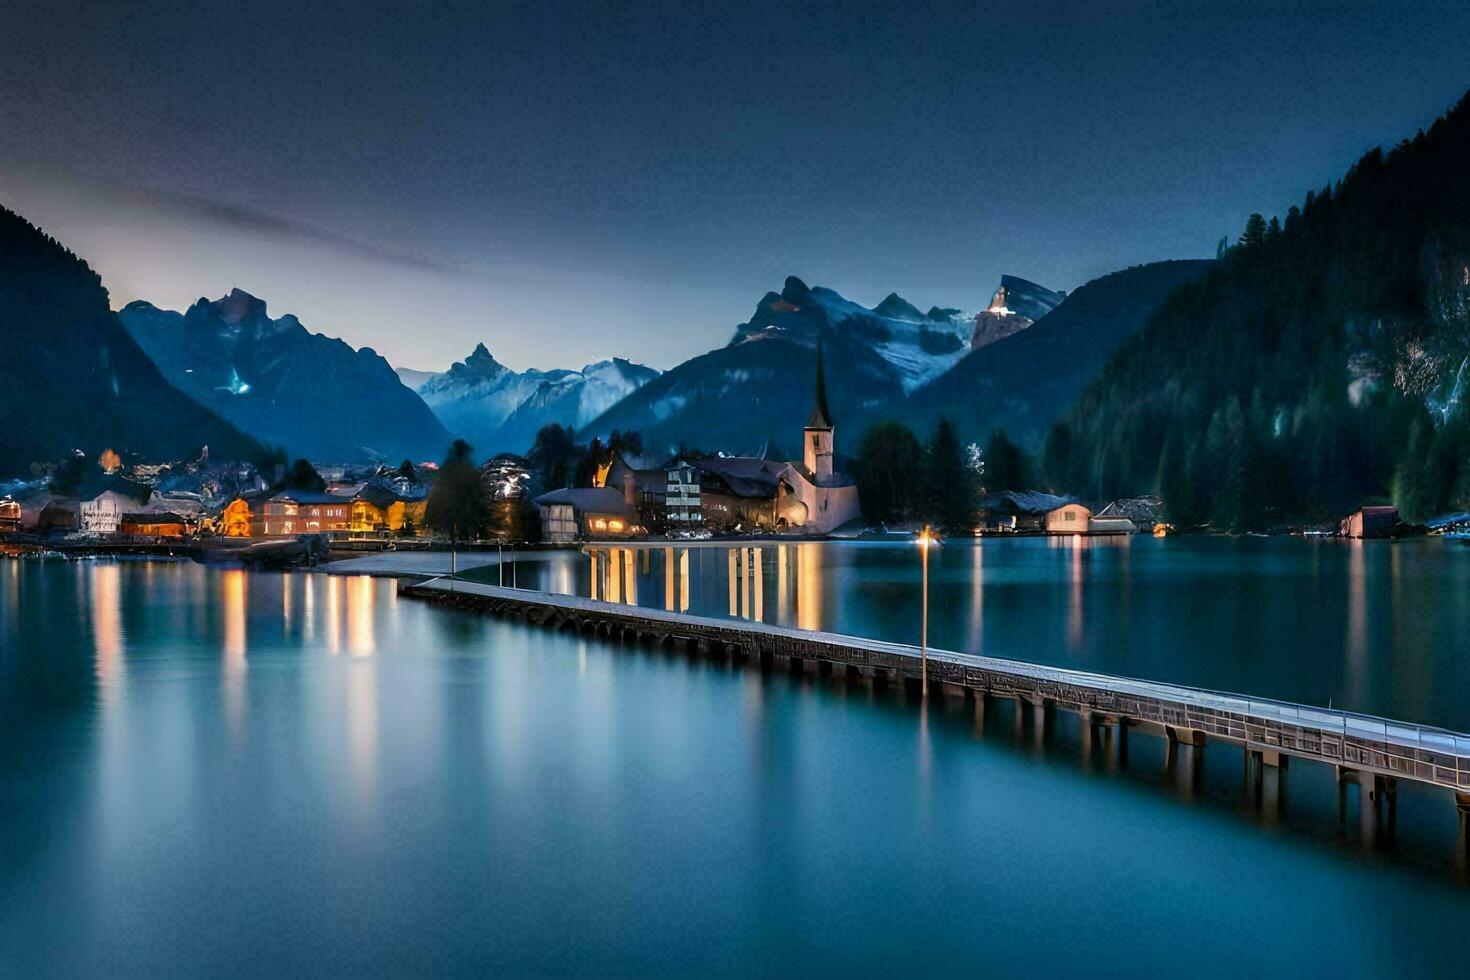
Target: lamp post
{"x":925,"y":539}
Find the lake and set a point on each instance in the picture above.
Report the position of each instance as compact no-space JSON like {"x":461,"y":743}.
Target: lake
{"x":214,"y":771}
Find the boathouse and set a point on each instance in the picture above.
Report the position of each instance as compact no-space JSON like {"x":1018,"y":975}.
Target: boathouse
{"x":1370,"y":522}
{"x":586,"y":513}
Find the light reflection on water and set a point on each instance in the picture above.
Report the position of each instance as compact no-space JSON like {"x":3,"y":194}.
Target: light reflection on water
{"x":367,"y":785}
{"x":1356,"y":624}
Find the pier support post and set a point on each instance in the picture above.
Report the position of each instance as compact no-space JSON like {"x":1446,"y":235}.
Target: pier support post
{"x":1184,"y":758}
{"x":982,"y":699}
{"x":1462,"y":837}
{"x":1089,"y":725}
{"x":1265,"y":780}
{"x":1115,"y":741}
{"x":1041,"y":709}
{"x":1377,"y":799}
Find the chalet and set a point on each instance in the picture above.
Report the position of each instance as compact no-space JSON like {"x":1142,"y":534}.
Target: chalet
{"x":586,"y":513}
{"x":160,"y":525}
{"x":300,"y":512}
{"x":1370,"y":522}
{"x":1018,"y":510}
{"x":381,"y":506}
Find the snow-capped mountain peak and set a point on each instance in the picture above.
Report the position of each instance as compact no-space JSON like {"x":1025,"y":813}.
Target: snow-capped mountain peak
{"x":498,"y":409}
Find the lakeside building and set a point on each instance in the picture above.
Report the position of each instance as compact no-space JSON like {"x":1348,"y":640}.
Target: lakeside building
{"x":1370,"y":522}
{"x":721,"y":493}
{"x":682,"y":495}
{"x":587,"y":513}
{"x":160,"y":525}
{"x":9,"y":514}
{"x":1069,"y":518}
{"x":1034,"y":512}
{"x":1017,"y":510}
{"x":103,"y":513}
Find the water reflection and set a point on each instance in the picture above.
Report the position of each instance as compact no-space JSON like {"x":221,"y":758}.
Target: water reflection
{"x":107,"y":628}
{"x":234,"y":591}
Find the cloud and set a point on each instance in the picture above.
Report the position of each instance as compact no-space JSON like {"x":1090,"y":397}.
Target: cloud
{"x":249,"y":220}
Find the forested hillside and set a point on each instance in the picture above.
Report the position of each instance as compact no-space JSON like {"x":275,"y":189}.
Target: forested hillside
{"x":1319,"y":365}
{"x":72,"y":378}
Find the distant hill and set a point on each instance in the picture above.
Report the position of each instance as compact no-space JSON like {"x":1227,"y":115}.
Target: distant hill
{"x":1320,"y":364}
{"x":750,"y":396}
{"x":1023,"y":382}
{"x":757,"y":390}
{"x":500,"y":410}
{"x":71,"y":377}
{"x":314,"y":395}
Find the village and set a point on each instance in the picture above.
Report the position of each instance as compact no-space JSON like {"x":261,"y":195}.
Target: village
{"x":628,"y":495}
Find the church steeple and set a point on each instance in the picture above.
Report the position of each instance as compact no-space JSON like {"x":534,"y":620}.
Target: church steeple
{"x":820,"y":417}
{"x":818,"y":439}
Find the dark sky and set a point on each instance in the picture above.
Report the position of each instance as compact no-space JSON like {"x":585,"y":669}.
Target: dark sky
{"x":571,"y":181}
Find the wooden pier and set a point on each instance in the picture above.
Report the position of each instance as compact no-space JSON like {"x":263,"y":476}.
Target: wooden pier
{"x":1371,"y":753}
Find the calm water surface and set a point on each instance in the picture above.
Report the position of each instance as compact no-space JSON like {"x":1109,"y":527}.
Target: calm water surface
{"x":212,"y":771}
{"x":1369,"y":626}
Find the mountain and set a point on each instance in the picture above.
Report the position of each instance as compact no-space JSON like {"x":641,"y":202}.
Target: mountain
{"x":72,"y":378}
{"x":415,"y":380}
{"x":1016,"y":305}
{"x":1025,"y":380}
{"x":749,"y":396}
{"x":1319,"y":365}
{"x":916,"y":346}
{"x":500,"y":410}
{"x":312,"y":394}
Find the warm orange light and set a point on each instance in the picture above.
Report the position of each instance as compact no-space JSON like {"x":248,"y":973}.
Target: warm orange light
{"x":614,"y":525}
{"x":598,"y":524}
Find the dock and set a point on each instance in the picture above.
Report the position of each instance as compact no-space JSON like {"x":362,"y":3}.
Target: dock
{"x":1370,"y":753}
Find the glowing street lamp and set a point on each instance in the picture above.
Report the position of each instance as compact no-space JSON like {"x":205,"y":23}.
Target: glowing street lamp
{"x":926,"y":540}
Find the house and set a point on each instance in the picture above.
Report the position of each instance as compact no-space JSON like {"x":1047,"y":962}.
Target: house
{"x":9,"y":514}
{"x":1370,"y":522}
{"x":681,"y":496}
{"x":1069,"y":518}
{"x":300,"y":512}
{"x":385,"y":506}
{"x":740,"y":492}
{"x":103,"y":513}
{"x":585,"y":513}
{"x":160,"y":525}
{"x":1018,"y":510}
{"x":58,"y":515}
{"x":650,"y":482}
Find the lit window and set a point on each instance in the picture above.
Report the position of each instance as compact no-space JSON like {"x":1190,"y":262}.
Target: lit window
{"x":598,"y":524}
{"x":614,"y":525}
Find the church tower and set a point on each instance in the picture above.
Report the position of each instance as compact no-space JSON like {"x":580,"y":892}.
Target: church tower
{"x":817,"y":437}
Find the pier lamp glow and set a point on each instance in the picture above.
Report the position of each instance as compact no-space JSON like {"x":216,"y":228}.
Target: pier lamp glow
{"x":926,"y":540}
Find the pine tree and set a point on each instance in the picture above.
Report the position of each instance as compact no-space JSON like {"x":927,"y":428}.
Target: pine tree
{"x":948,"y":483}
{"x":890,"y":468}
{"x":1255,"y":231}
{"x":458,"y":505}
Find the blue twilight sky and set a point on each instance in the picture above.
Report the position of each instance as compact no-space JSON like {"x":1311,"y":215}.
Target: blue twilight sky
{"x":570,"y":181}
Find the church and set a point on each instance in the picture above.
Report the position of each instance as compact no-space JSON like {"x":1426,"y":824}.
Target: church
{"x":811,"y":495}
{"x":744,"y":493}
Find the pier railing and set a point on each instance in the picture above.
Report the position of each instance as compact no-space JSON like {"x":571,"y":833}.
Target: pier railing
{"x":1349,"y":739}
